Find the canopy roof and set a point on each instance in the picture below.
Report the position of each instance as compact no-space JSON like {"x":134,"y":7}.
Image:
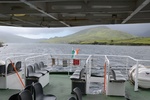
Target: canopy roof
{"x":68,"y":13}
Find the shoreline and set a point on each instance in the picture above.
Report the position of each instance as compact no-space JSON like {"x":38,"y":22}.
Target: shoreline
{"x":120,"y":44}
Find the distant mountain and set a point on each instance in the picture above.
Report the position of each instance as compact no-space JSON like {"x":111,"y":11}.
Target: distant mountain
{"x":91,"y":35}
{"x":10,"y":38}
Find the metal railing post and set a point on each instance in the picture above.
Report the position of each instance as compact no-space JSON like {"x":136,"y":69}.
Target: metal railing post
{"x":136,"y":77}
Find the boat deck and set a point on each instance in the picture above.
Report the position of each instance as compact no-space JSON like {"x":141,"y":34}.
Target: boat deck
{"x":60,"y":85}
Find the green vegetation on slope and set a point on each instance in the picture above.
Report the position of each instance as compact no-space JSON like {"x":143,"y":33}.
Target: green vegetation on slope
{"x":135,"y":41}
{"x":95,"y":34}
{"x":131,"y":41}
{"x":101,"y":35}
{"x":92,"y":34}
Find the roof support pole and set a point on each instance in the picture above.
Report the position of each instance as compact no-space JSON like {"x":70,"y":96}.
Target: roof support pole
{"x":15,"y":18}
{"x":8,"y":24}
{"x":49,"y":15}
{"x":136,"y":11}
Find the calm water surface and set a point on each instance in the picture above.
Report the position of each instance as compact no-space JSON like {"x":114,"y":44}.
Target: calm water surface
{"x":139,"y":52}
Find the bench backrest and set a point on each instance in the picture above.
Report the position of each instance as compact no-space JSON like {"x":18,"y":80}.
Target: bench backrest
{"x":113,"y":74}
{"x":81,"y":73}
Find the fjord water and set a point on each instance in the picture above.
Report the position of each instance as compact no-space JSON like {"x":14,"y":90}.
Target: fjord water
{"x":138,"y":52}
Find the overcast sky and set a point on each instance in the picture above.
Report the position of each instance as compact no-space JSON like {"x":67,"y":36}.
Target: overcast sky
{"x":37,"y":33}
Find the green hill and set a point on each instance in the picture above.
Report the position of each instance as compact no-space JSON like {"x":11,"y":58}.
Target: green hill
{"x":133,"y":41}
{"x":92,"y":35}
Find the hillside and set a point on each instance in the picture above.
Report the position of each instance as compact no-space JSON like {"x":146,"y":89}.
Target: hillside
{"x":133,"y":41}
{"x":10,"y":38}
{"x":91,"y":35}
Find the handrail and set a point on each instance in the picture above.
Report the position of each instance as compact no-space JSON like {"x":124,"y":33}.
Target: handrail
{"x":87,"y":61}
{"x":88,"y":71}
{"x":70,"y":54}
{"x":139,"y":60}
{"x":35,"y":56}
{"x":14,"y":67}
{"x":136,"y":77}
{"x":105,"y":71}
{"x":25,"y":67}
{"x":8,"y":58}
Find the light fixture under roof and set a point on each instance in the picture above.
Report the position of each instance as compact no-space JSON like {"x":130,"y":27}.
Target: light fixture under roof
{"x":66,"y":7}
{"x":100,"y":6}
{"x":103,"y":15}
{"x":19,"y":15}
{"x":73,"y":15}
{"x":107,"y":6}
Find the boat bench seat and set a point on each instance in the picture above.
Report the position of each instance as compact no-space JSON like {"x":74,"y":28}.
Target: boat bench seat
{"x":115,"y":84}
{"x":32,"y":73}
{"x":116,"y":76}
{"x":78,"y":75}
{"x":77,"y":71}
{"x":36,"y":76}
{"x":44,"y":67}
{"x":78,"y":80}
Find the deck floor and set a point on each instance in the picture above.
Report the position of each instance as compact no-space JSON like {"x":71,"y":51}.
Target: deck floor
{"x":60,"y":85}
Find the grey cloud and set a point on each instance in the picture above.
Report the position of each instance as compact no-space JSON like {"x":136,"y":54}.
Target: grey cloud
{"x":52,"y":32}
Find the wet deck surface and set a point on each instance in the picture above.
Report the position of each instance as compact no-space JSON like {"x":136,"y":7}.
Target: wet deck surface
{"x":60,"y":85}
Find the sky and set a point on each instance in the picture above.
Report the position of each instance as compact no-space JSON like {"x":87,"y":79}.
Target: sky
{"x":142,"y":29}
{"x":37,"y":33}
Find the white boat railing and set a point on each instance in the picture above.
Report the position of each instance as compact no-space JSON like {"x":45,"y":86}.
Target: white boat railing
{"x":60,"y":57}
{"x":88,"y":72}
{"x":36,"y":59}
{"x":120,"y":62}
{"x":123,"y":61}
{"x":9,"y":79}
{"x":68,"y":63}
